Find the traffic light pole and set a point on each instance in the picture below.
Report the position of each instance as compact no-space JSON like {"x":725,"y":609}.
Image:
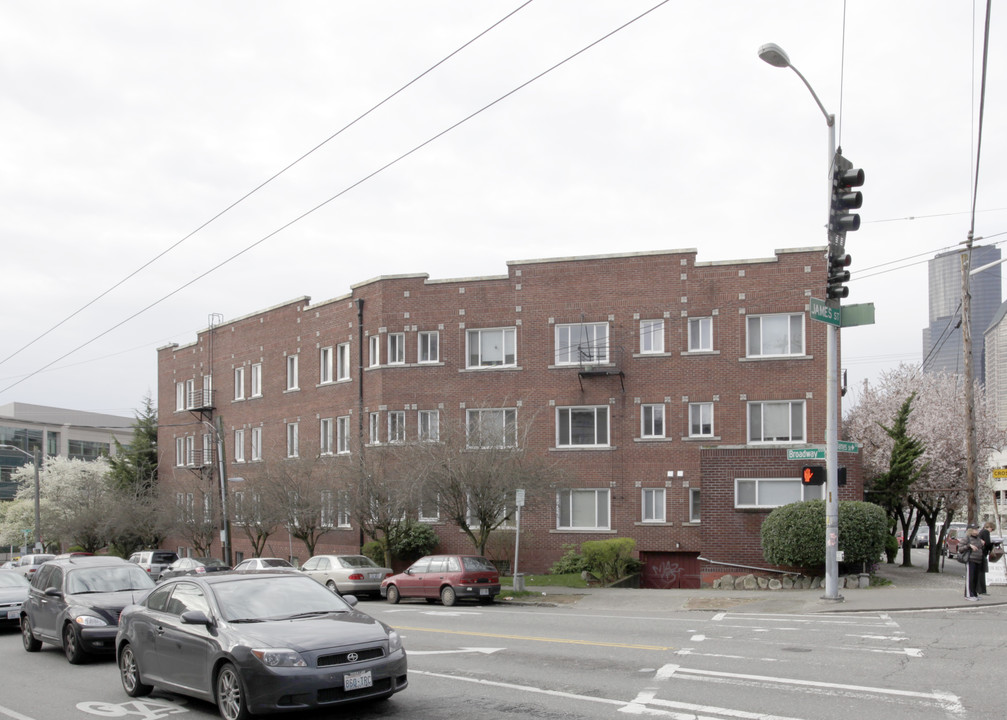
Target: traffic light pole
{"x":831,"y":409}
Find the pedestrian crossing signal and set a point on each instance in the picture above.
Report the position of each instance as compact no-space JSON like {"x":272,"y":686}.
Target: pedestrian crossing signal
{"x":813,"y":475}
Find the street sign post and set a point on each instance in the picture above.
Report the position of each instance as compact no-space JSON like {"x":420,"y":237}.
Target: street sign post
{"x":806,"y":454}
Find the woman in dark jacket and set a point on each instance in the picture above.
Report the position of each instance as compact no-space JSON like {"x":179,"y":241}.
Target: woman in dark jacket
{"x":974,"y":567}
{"x":984,"y":535}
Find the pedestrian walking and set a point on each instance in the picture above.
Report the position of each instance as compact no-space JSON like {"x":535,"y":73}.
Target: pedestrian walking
{"x":974,"y":566}
{"x":987,"y":538}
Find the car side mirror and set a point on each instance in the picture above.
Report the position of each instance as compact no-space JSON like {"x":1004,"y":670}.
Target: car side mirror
{"x":53,"y":592}
{"x":195,"y":617}
{"x":350,"y":600}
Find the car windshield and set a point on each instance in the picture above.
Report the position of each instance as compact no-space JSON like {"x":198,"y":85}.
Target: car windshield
{"x":275,"y":597}
{"x":479,"y":564}
{"x":107,"y":579}
{"x":164,"y":557}
{"x":357,"y":561}
{"x":12,"y":580}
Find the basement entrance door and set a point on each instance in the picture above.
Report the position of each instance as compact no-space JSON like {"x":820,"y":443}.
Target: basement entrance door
{"x":670,"y":570}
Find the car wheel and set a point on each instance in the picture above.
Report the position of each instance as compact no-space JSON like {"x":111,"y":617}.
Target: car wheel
{"x":129,"y":672}
{"x":28,"y":638}
{"x":230,"y":694}
{"x":71,"y":645}
{"x":448,"y":596}
{"x":392,"y":593}
{"x":331,"y":585}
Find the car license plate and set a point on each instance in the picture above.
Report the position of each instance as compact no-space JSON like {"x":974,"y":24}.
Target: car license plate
{"x":357,"y":680}
{"x":13,"y":614}
{"x":484,"y":591}
{"x":373,"y":576}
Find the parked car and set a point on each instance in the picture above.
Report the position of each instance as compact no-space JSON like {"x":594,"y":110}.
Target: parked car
{"x":922,"y":537}
{"x":257,"y":643}
{"x":13,"y":591}
{"x":8,"y":565}
{"x":153,"y":561}
{"x":75,"y":603}
{"x":27,"y":565}
{"x":347,"y":574}
{"x":258,"y":564}
{"x":193,"y":566}
{"x":447,"y":577}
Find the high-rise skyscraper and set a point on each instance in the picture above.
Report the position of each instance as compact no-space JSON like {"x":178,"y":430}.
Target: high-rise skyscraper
{"x":942,"y":339}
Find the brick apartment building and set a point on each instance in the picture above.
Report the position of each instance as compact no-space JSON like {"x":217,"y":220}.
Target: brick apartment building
{"x":667,"y":389}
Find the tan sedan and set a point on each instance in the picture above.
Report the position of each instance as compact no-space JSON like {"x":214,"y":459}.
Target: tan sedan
{"x":347,"y":574}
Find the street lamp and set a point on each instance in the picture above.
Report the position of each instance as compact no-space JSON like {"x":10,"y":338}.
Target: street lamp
{"x":777,"y":57}
{"x":38,"y":517}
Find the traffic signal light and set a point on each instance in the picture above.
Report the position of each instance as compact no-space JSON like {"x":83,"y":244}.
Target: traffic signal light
{"x":838,"y":274}
{"x":813,"y":475}
{"x":845,"y":177}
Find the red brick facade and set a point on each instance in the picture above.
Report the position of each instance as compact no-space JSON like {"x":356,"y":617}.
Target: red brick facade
{"x":531,"y":300}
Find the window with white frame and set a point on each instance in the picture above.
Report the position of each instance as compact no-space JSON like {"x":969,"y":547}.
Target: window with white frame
{"x":582,"y":343}
{"x":207,"y":458}
{"x":343,"y":434}
{"x":190,"y":450}
{"x":586,"y":509}
{"x":256,"y":389}
{"x":327,"y":509}
{"x":775,"y":335}
{"x":292,"y":440}
{"x":652,"y":505}
{"x":700,"y":334}
{"x":491,"y":347}
{"x":491,"y":427}
{"x":701,"y":419}
{"x":239,"y":382}
{"x":180,"y":396}
{"x":429,"y":510}
{"x":429,"y":346}
{"x":694,"y":505}
{"x":374,"y":350}
{"x":343,"y":509}
{"x":776,"y":421}
{"x":652,"y":421}
{"x":375,"y":428}
{"x":504,"y":515}
{"x":773,"y":492}
{"x":582,"y":426}
{"x":179,"y":452}
{"x":343,"y":361}
{"x":238,"y":503}
{"x":325,"y":436}
{"x":190,"y":393}
{"x":428,"y":425}
{"x":256,"y":443}
{"x":396,"y":349}
{"x":325,"y":361}
{"x":239,"y":446}
{"x":396,"y":426}
{"x":292,"y":380}
{"x":651,"y":336}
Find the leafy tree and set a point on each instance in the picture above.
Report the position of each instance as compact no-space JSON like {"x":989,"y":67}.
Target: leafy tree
{"x":134,"y":467}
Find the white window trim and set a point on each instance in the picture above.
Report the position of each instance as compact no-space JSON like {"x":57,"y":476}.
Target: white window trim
{"x":374,"y":426}
{"x":660,"y":509}
{"x":239,"y":383}
{"x":421,"y":345}
{"x":600,"y":351}
{"x":256,"y":381}
{"x":293,"y":440}
{"x":712,"y":432}
{"x":431,"y":437}
{"x":396,"y":349}
{"x":293,"y":381}
{"x":694,"y":514}
{"x":655,"y":336}
{"x":326,"y":361}
{"x":804,"y":336}
{"x":808,"y":492}
{"x":256,"y":444}
{"x":325,"y":436}
{"x":342,"y":361}
{"x":596,"y":491}
{"x":396,"y":426}
{"x":580,"y":408}
{"x":792,"y":439}
{"x":468,"y":422}
{"x":180,"y":452}
{"x":374,"y":351}
{"x":511,"y":331}
{"x":239,"y":446}
{"x":697,"y":347}
{"x":644,"y":435}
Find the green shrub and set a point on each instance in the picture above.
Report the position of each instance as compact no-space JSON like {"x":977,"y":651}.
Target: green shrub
{"x":610,"y":560}
{"x":571,"y":562}
{"x":794,"y":535}
{"x":375,"y":550}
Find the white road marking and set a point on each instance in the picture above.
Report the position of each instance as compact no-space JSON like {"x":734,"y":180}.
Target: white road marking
{"x":640,"y":706}
{"x":689,"y":651}
{"x":13,"y":714}
{"x":484,"y":651}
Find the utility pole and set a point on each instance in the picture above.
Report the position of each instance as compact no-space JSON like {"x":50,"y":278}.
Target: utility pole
{"x":971,"y":479}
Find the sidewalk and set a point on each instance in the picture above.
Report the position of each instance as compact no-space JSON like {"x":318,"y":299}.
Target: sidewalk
{"x":911,"y":588}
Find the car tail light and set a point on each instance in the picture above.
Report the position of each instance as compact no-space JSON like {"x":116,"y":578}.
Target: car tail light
{"x":200,"y":569}
{"x":388,"y":575}
{"x":357,"y":576}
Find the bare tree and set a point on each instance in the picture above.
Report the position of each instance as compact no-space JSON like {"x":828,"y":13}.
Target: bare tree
{"x":197,"y":512}
{"x":257,"y":508}
{"x":308,"y":487}
{"x":476,"y":468}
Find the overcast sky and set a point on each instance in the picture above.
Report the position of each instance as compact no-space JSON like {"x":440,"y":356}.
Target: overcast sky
{"x":125,"y":126}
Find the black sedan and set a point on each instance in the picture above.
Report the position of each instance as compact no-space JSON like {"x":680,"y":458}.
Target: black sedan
{"x":193,"y":566}
{"x":257,"y":643}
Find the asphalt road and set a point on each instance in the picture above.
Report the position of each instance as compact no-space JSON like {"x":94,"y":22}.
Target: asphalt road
{"x":557,"y":662}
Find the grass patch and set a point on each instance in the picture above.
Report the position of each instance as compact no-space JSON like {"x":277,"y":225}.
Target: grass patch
{"x":570,"y":580}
